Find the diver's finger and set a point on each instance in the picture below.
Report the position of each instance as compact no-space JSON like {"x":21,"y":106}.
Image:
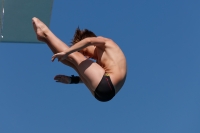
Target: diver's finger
{"x":54,"y":56}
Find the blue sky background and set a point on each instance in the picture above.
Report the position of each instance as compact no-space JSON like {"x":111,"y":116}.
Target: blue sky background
{"x":162,"y":92}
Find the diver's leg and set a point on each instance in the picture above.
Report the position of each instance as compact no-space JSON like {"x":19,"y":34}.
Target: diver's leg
{"x":89,"y":71}
{"x":82,"y":78}
{"x":44,"y":34}
{"x":56,"y":45}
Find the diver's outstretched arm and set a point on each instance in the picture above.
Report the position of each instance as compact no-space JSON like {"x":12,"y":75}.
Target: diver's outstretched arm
{"x":96,"y":41}
{"x":68,"y":79}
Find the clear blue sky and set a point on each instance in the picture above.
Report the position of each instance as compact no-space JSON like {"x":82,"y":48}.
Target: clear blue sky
{"x":161,"y":40}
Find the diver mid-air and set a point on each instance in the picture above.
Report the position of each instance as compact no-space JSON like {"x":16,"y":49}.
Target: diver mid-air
{"x":105,"y":77}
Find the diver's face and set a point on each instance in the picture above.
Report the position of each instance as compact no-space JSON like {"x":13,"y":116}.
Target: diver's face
{"x":84,"y":52}
{"x":88,"y":52}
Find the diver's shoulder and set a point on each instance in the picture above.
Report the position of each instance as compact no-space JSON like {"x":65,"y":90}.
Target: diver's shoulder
{"x":110,"y":43}
{"x":105,"y":38}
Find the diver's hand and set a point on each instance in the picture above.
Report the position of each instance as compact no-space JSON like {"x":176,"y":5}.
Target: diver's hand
{"x":62,"y":79}
{"x":61,"y":56}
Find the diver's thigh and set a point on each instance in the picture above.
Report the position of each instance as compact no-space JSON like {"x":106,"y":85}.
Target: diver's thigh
{"x":83,"y":78}
{"x":91,"y":72}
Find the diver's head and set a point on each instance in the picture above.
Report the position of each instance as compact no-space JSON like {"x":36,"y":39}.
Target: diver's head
{"x":79,"y":35}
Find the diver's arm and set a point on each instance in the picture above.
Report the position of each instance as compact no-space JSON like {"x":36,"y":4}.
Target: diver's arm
{"x":96,"y":41}
{"x":68,"y":79}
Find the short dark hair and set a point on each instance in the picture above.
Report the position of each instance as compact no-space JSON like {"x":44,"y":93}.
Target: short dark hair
{"x":81,"y":34}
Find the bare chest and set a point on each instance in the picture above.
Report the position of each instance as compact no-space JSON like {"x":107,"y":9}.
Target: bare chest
{"x":105,"y":61}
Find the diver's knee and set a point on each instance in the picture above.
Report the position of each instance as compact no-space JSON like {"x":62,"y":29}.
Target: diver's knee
{"x":76,"y":58}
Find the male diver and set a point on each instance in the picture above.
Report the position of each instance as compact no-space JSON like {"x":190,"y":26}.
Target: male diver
{"x":105,"y":77}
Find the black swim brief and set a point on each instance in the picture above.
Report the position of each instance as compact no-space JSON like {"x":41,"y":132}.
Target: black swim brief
{"x":105,"y":91}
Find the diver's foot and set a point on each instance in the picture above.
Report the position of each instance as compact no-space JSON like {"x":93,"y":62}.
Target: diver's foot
{"x":41,"y":29}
